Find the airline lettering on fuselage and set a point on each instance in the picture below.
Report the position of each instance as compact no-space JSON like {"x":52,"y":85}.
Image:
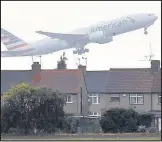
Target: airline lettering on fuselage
{"x":113,"y":25}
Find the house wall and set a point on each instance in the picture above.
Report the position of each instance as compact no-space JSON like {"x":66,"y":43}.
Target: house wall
{"x":105,"y":103}
{"x":72,"y":108}
{"x":75,"y":107}
{"x":155,"y":102}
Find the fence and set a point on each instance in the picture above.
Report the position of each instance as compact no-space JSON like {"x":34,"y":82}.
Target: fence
{"x":80,"y":124}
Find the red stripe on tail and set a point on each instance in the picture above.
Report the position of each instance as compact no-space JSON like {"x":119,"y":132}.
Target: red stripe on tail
{"x":19,"y":46}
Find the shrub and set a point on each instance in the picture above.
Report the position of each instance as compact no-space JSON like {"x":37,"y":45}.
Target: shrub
{"x":27,"y":108}
{"x":119,"y":120}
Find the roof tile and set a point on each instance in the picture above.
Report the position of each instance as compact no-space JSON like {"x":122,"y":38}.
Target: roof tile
{"x":66,"y":81}
{"x":12,"y":77}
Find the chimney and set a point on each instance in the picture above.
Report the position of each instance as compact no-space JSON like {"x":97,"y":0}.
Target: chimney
{"x":36,"y":69}
{"x":155,"y":65}
{"x":83,"y":68}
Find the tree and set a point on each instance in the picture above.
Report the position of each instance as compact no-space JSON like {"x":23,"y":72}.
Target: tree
{"x":61,"y":64}
{"x":146,"y":119}
{"x":119,"y":120}
{"x":25,"y":107}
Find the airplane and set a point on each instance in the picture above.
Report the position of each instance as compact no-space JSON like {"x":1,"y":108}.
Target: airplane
{"x":100,"y":33}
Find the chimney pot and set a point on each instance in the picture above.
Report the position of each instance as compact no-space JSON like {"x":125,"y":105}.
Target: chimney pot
{"x":155,"y":65}
{"x":36,"y":68}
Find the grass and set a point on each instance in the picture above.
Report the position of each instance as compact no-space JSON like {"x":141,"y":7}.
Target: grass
{"x":86,"y":137}
{"x":78,"y":138}
{"x":145,"y":138}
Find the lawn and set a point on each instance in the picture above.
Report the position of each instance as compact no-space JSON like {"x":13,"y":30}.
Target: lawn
{"x":81,"y":138}
{"x":89,"y":139}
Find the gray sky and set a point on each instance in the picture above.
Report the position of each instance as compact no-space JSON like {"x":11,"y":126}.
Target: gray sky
{"x":24,"y":18}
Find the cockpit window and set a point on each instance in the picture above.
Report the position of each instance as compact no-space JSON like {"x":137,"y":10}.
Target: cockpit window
{"x":150,"y":14}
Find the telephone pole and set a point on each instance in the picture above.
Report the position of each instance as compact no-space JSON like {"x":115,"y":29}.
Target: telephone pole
{"x":81,"y":112}
{"x":81,"y":105}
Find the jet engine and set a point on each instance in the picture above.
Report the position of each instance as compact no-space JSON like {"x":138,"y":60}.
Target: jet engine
{"x":105,"y":40}
{"x":99,"y":37}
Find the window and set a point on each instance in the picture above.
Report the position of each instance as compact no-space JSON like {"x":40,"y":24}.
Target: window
{"x":136,"y":99}
{"x":94,"y":99}
{"x":115,"y":98}
{"x":69,"y":99}
{"x":159,"y":99}
{"x":94,"y":114}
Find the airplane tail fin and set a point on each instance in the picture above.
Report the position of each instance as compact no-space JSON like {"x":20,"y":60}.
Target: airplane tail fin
{"x":12,"y":42}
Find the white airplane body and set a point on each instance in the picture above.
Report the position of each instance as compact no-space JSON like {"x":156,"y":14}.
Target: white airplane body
{"x":101,"y":33}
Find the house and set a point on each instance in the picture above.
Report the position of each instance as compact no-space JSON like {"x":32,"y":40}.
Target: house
{"x":69,"y":82}
{"x":156,"y":99}
{"x":139,"y":89}
{"x":97,"y":91}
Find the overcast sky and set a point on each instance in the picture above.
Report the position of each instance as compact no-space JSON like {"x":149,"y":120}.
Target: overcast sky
{"x":24,"y":18}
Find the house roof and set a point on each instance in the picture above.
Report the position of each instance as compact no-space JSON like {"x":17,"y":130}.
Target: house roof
{"x":156,"y":87}
{"x":69,"y":81}
{"x":12,"y":77}
{"x":65,"y":81}
{"x":130,"y":69}
{"x":96,"y":81}
{"x":119,"y":81}
{"x":129,"y":81}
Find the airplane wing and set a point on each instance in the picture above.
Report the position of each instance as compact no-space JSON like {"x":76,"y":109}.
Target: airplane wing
{"x":9,"y":53}
{"x":15,"y":53}
{"x":63,"y":36}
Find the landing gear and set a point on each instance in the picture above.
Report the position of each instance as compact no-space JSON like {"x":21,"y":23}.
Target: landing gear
{"x":75,"y":52}
{"x":80,"y":51}
{"x":86,"y":50}
{"x":145,"y":31}
{"x":80,"y":48}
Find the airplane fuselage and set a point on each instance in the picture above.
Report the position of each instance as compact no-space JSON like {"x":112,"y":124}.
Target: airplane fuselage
{"x":110,"y":28}
{"x":123,"y":24}
{"x":101,"y":33}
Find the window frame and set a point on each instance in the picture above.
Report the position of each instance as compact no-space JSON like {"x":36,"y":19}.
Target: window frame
{"x":97,"y":96}
{"x":136,"y":96}
{"x":71,"y":100}
{"x":159,"y":98}
{"x":111,"y":96}
{"x":98,"y":114}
